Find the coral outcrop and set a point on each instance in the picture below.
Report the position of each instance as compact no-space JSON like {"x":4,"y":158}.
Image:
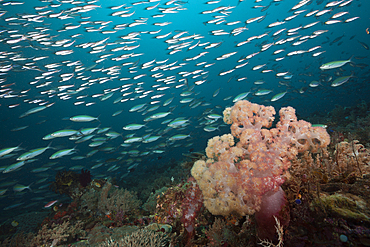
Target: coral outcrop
{"x":246,"y":168}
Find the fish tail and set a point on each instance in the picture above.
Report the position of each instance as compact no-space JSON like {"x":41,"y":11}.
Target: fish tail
{"x":49,"y":146}
{"x":350,"y":59}
{"x":29,"y":186}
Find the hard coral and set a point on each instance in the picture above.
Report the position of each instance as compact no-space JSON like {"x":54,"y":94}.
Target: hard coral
{"x":117,"y":203}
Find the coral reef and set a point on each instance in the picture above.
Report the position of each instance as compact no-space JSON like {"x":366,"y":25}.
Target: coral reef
{"x":327,"y":195}
{"x":65,"y":182}
{"x":181,"y":206}
{"x":70,"y":182}
{"x":329,"y":191}
{"x":191,"y":205}
{"x":151,"y":203}
{"x":18,"y":240}
{"x":100,"y":234}
{"x":349,"y":123}
{"x":26,"y":223}
{"x":245,"y":177}
{"x":322,"y":193}
{"x":236,"y":176}
{"x":222,"y":234}
{"x":165,"y":174}
{"x":110,"y":202}
{"x":343,"y":205}
{"x":118,"y":203}
{"x":353,"y":158}
{"x":57,"y":233}
{"x":140,"y":238}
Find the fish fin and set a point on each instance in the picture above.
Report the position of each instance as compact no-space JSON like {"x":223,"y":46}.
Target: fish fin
{"x":350,"y":59}
{"x":49,"y":146}
{"x":29,"y":186}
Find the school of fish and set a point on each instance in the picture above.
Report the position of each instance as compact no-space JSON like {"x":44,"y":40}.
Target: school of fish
{"x":110,"y":87}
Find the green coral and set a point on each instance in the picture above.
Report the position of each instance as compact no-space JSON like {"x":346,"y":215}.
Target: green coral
{"x":347,"y":206}
{"x":151,"y":203}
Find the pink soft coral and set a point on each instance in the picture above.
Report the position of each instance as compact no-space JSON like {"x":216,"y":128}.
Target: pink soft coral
{"x":239,"y":178}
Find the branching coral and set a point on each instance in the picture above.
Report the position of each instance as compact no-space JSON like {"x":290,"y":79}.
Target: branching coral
{"x":57,"y":234}
{"x":348,"y":162}
{"x":218,"y":234}
{"x":222,"y":233}
{"x":117,"y":202}
{"x":122,"y":200}
{"x":89,"y":201}
{"x":352,"y":157}
{"x":140,"y":238}
{"x":109,"y":202}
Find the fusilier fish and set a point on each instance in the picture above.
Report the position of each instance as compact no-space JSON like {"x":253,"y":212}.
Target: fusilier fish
{"x":334,"y":64}
{"x":133,"y":139}
{"x":278,"y":96}
{"x":214,"y":116}
{"x":19,"y":187}
{"x":341,"y":80}
{"x":262,"y":92}
{"x":49,"y":204}
{"x":6,"y":151}
{"x":177,"y":123}
{"x":14,"y":166}
{"x":241,"y":96}
{"x":83,"y":118}
{"x":159,"y":115}
{"x":62,"y":153}
{"x":133,"y":126}
{"x":33,"y":153}
{"x":32,"y":111}
{"x":150,"y":139}
{"x":314,"y":84}
{"x":63,"y":133}
{"x":137,"y":107}
{"x":178,"y":137}
{"x":210,"y":128}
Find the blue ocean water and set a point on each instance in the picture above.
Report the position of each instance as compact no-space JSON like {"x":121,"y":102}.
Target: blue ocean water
{"x":26,"y":85}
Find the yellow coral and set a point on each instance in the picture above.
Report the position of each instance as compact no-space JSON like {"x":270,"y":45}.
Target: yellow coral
{"x":198,"y":169}
{"x":218,"y":145}
{"x":227,"y":113}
